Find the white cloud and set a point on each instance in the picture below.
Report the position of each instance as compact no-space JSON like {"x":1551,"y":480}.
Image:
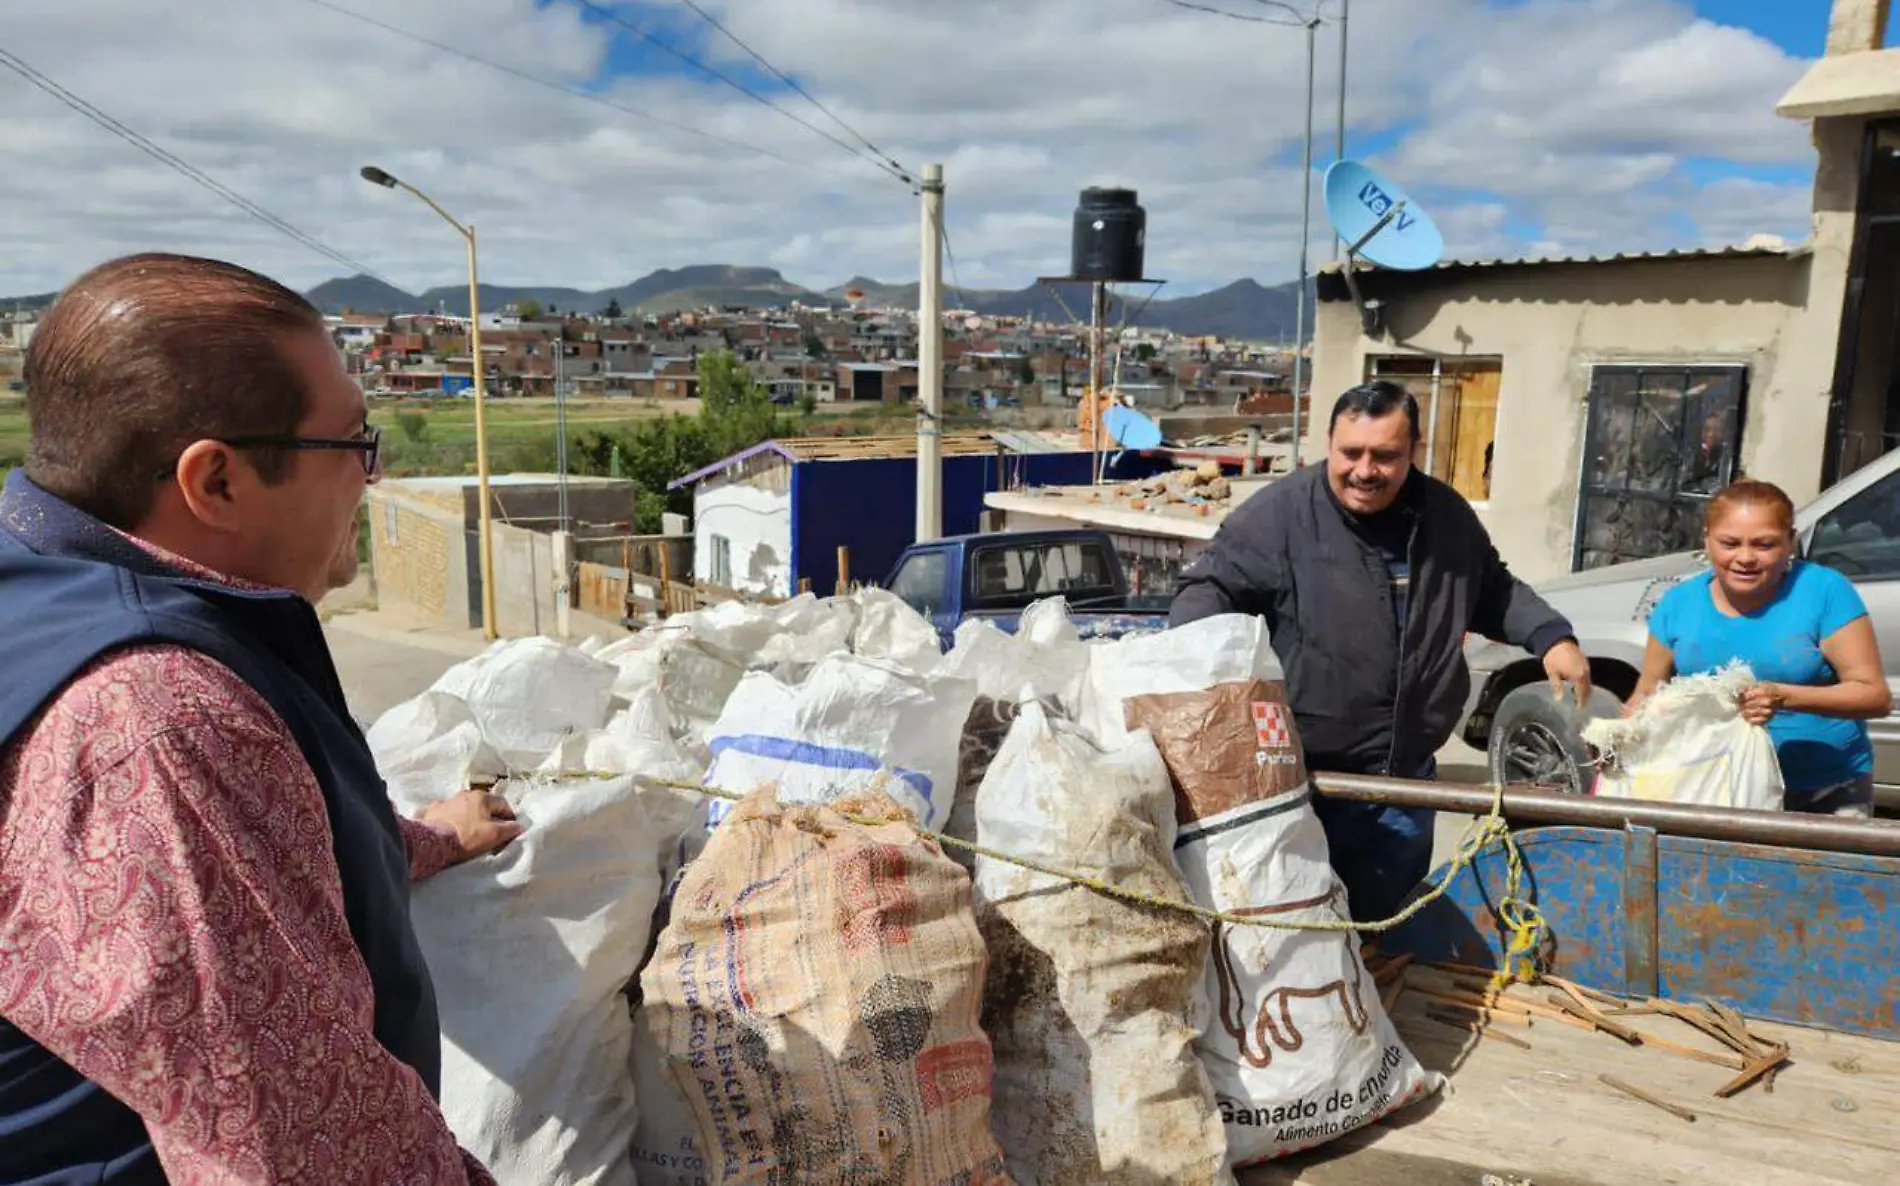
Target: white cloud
{"x":1555,"y":121}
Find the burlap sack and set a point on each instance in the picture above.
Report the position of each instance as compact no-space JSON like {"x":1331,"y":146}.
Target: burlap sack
{"x":1298,"y":1047}
{"x":815,"y":995}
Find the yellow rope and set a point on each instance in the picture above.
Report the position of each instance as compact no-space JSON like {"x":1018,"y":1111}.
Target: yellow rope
{"x":1523,"y":919}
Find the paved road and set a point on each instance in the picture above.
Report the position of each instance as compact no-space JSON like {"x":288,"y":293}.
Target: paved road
{"x":383,"y":661}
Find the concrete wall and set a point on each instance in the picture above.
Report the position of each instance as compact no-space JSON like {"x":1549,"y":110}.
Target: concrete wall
{"x":604,"y":501}
{"x":1836,"y":207}
{"x":526,"y":595}
{"x":754,"y":516}
{"x":1550,"y":324}
{"x":418,"y":557}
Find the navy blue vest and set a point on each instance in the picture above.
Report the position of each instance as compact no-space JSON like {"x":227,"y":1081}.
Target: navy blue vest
{"x":72,"y":589}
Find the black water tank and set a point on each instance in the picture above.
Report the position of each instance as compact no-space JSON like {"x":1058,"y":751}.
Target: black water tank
{"x":1111,"y":229}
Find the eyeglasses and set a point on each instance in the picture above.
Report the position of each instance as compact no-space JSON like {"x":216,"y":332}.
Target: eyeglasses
{"x":370,"y":444}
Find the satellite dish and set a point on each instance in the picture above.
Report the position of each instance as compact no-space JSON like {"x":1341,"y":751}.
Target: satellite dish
{"x":1378,"y":221}
{"x":1129,"y":429}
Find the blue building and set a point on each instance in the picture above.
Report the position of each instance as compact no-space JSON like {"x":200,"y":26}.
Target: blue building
{"x":778,"y":513}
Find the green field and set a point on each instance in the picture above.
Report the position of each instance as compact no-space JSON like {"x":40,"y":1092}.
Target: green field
{"x":438,"y":436}
{"x":12,"y":431}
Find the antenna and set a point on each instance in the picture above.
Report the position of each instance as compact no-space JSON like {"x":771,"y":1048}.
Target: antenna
{"x":1374,"y":218}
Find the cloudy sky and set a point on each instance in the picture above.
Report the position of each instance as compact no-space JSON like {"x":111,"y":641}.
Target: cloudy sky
{"x":1524,"y":125}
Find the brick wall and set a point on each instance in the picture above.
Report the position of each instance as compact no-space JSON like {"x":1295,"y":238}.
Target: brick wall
{"x":418,"y":557}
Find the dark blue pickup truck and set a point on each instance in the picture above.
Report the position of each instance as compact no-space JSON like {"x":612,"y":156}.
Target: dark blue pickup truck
{"x":998,"y":576}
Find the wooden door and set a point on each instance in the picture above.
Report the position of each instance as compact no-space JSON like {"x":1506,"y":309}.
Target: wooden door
{"x":1464,"y":443}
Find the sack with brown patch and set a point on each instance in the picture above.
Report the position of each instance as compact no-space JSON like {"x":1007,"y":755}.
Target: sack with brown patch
{"x":1299,"y":1048}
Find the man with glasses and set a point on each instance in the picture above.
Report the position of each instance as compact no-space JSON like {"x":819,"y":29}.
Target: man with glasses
{"x":207,"y":971}
{"x":1369,"y":574}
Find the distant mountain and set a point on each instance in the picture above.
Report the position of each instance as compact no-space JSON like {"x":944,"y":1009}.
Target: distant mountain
{"x":661,"y":291}
{"x":24,"y":304}
{"x":1243,"y":309}
{"x":364,"y":294}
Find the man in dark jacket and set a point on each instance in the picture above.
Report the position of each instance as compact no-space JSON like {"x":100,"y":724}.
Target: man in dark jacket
{"x":1369,"y":574}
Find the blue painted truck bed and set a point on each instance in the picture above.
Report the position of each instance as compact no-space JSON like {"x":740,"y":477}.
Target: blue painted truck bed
{"x":1807,"y":938}
{"x":1804,"y":944}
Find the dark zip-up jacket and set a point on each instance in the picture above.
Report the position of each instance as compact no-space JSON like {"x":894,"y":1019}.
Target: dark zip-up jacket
{"x":1372,"y":696}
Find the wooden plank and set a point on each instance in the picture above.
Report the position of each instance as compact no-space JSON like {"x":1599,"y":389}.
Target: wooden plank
{"x":1542,"y":1115}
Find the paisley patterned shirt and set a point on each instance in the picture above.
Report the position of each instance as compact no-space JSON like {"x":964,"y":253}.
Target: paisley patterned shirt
{"x":171,"y":925}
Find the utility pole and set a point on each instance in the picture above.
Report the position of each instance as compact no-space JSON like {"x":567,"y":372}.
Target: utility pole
{"x":930,"y":362}
{"x":1339,"y":126}
{"x":485,"y":545}
{"x":1306,"y":218}
{"x":1098,"y":374}
{"x":560,"y":422}
{"x":563,"y":538}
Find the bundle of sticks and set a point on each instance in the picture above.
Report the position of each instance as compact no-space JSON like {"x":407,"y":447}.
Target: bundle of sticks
{"x":1465,"y":997}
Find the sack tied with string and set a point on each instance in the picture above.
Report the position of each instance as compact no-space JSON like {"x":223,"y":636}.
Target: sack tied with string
{"x":1091,"y":999}
{"x":1299,"y":1048}
{"x":815,"y":997}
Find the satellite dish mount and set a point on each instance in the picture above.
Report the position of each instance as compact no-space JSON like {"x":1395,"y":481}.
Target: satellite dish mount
{"x":1378,"y":221}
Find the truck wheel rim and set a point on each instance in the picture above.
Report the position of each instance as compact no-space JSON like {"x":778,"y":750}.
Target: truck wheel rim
{"x":1534,"y":753}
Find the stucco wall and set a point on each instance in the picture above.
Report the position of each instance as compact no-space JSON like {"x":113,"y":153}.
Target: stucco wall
{"x":1550,"y":324}
{"x":754,"y":516}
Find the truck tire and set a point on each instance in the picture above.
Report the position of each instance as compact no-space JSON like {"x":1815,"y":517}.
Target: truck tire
{"x":1535,"y":738}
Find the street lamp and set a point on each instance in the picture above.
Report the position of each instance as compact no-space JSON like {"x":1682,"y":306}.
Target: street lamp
{"x":376,"y":176}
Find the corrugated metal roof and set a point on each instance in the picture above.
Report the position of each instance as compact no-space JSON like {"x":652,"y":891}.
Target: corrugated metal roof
{"x":1768,"y":245}
{"x":846,"y":448}
{"x":1018,"y":441}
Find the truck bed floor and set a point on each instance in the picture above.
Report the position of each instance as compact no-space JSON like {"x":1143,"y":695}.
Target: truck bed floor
{"x":1543,"y":1116}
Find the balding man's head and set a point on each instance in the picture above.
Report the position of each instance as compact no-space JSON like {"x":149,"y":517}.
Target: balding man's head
{"x":142,"y":356}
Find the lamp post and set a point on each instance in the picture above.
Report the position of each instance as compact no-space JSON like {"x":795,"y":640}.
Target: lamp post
{"x":484,"y":544}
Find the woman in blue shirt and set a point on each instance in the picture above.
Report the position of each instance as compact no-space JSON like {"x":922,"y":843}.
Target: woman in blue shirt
{"x":1801,"y":628}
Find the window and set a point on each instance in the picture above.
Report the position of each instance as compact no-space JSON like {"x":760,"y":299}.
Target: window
{"x":919,"y":583}
{"x":389,"y":523}
{"x":1012,"y":576}
{"x":722,"y":561}
{"x":1860,"y":539}
{"x":1660,"y":441}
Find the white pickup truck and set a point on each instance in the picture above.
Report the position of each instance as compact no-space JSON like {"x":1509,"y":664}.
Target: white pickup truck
{"x":1853,"y":528}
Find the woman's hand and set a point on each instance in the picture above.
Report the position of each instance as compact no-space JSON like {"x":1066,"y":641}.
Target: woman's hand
{"x":1761,"y":701}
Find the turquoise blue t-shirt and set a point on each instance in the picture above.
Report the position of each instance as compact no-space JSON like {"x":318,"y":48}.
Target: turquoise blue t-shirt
{"x":1781,"y":643}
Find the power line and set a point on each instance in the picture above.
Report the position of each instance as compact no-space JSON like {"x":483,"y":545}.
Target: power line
{"x":608,"y":14}
{"x":956,"y":282}
{"x":179,"y":164}
{"x":550,"y":84}
{"x":789,"y":81}
{"x":1300,"y":21}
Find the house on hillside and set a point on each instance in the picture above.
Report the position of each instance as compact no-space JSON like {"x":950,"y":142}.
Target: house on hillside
{"x":1588,"y":407}
{"x":781,"y":513}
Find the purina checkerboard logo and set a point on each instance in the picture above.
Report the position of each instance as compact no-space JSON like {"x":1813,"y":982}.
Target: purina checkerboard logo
{"x":1269,"y":725}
